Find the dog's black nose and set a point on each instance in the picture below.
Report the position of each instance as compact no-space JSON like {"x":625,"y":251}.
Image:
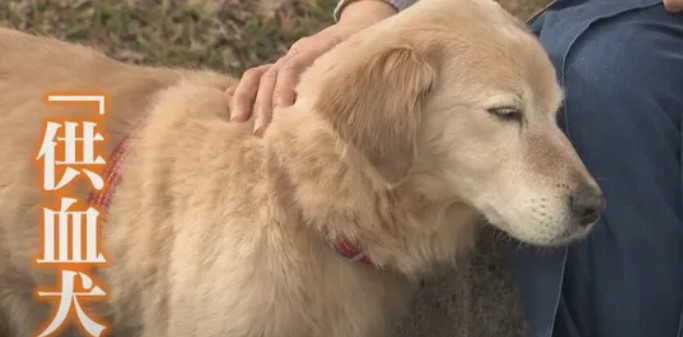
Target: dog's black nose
{"x":586,"y":205}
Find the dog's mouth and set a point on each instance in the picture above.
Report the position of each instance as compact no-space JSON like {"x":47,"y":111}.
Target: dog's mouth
{"x":559,"y":234}
{"x":567,"y":237}
{"x":542,"y":221}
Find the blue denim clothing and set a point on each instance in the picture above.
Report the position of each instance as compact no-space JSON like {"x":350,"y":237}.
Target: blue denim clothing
{"x":621,"y":64}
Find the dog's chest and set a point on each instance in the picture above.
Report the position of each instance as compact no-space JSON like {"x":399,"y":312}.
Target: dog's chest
{"x":352,"y":306}
{"x":341,"y":299}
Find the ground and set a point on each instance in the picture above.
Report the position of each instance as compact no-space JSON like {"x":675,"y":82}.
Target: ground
{"x":225,"y":35}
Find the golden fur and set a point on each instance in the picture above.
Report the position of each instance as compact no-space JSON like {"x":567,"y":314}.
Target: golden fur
{"x":214,"y":232}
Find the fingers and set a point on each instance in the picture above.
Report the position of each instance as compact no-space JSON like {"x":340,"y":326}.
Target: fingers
{"x":287,"y":79}
{"x":277,"y":87}
{"x":245,"y":93}
{"x":262,"y":89}
{"x":283,"y":93}
{"x":673,"y":6}
{"x":263,"y":105}
{"x":293,"y":65}
{"x":229,"y":92}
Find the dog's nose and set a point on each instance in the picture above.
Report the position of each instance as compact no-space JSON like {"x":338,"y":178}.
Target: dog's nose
{"x":586,"y":205}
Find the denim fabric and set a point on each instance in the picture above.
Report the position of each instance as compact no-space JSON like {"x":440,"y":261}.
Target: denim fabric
{"x":621,"y":64}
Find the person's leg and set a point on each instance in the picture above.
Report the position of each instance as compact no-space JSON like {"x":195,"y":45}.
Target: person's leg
{"x":623,"y":75}
{"x":624,"y":82}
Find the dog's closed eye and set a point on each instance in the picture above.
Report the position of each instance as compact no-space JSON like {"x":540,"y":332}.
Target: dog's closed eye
{"x":506,"y":113}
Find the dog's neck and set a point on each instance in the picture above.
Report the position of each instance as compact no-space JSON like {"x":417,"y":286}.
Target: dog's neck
{"x":339,"y":196}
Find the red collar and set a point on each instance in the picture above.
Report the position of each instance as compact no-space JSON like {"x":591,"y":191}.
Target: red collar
{"x":348,"y":250}
{"x":102,"y":198}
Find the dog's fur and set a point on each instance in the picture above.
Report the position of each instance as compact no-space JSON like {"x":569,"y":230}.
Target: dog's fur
{"x":214,"y":232}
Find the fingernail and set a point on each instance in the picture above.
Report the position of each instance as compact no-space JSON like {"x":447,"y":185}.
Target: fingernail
{"x":258,"y":121}
{"x":257,"y":125}
{"x":258,"y":130}
{"x":230,"y":113}
{"x":278,"y":103}
{"x":236,"y":116}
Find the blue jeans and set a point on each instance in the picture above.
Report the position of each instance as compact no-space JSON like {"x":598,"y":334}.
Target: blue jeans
{"x":621,"y":64}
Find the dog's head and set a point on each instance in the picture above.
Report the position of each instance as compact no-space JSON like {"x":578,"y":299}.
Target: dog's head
{"x":458,"y":99}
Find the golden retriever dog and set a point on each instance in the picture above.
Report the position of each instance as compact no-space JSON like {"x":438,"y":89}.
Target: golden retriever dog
{"x":401,"y":140}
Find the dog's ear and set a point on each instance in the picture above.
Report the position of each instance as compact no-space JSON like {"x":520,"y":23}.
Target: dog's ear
{"x":376,"y":108}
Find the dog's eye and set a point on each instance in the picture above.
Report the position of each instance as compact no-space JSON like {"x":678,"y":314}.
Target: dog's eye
{"x":506,"y":112}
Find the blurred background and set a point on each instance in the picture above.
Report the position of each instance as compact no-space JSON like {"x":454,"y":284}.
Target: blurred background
{"x":224,"y":35}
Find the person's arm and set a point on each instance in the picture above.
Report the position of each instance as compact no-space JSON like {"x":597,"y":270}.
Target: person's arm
{"x":264,"y":87}
{"x":398,"y":5}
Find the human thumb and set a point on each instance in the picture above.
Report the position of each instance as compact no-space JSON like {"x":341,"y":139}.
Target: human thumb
{"x":673,"y":6}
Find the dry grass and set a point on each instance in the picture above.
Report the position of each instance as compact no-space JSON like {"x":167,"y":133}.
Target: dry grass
{"x":226,"y":35}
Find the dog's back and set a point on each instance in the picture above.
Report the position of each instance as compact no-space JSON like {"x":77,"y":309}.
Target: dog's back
{"x":30,"y":67}
{"x":199,"y":200}
{"x":219,"y":240}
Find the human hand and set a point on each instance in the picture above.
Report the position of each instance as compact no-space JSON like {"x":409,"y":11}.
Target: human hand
{"x":673,"y":6}
{"x":265,"y":87}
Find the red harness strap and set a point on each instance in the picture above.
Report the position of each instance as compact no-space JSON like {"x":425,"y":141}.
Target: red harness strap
{"x":102,"y":198}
